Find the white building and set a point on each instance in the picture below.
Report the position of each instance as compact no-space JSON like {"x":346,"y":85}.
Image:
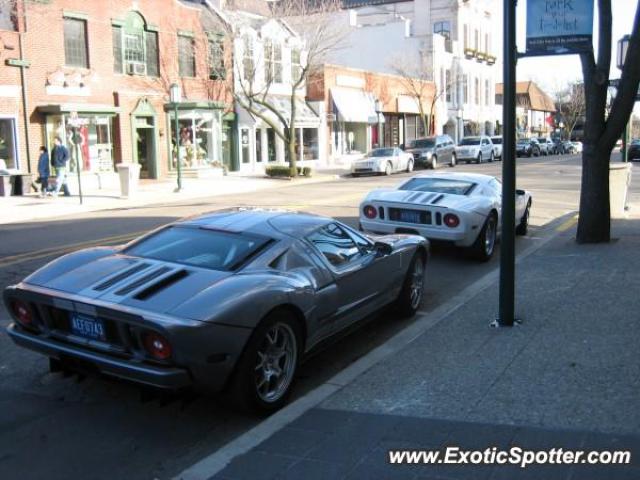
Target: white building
{"x":458,"y":41}
{"x":267,"y":55}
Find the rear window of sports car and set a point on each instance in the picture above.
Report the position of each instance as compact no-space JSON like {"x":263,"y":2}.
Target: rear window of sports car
{"x":439,"y":185}
{"x":200,"y":247}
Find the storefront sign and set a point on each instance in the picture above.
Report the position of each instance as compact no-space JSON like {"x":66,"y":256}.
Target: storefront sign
{"x":559,"y":27}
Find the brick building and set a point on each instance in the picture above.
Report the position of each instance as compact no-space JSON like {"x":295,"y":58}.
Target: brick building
{"x":366,"y":109}
{"x":110,"y":63}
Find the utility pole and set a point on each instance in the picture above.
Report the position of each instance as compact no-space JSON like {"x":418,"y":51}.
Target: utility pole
{"x":506,"y":316}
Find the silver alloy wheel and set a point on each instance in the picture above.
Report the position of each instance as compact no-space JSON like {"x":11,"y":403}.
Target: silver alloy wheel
{"x":410,"y":166}
{"x":492,"y":157}
{"x":276,"y":363}
{"x":490,"y":236}
{"x":480,"y":158}
{"x":453,"y":160}
{"x":387,"y":170}
{"x":434,"y":162}
{"x":417,"y":283}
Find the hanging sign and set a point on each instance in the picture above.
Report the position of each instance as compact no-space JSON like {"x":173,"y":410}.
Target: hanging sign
{"x":559,"y":27}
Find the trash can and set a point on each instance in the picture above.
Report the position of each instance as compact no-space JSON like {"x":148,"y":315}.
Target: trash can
{"x":22,"y":183}
{"x":619,"y":181}
{"x":129,"y":174}
{"x":5,"y":185}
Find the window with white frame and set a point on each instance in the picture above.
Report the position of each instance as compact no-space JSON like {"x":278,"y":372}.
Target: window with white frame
{"x":476,"y":99}
{"x":465,"y":89}
{"x":247,"y":58}
{"x":217,"y":69}
{"x":273,"y":61}
{"x":296,"y":64}
{"x":448,"y":85}
{"x":487,"y":92}
{"x":186,"y":56}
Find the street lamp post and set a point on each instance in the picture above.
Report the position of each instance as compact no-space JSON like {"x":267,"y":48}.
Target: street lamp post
{"x":175,"y":96}
{"x":378,"y":107}
{"x":623,"y":46}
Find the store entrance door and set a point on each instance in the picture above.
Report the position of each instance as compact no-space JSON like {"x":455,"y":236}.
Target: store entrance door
{"x":145,"y":147}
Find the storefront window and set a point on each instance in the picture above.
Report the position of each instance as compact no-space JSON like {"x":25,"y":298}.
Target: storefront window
{"x":92,"y":143}
{"x":271,"y":145}
{"x":200,"y":138}
{"x":309,"y":143}
{"x":244,"y":143}
{"x":258,"y":145}
{"x":8,"y":143}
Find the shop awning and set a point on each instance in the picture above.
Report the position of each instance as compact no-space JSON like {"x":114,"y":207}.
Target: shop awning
{"x":354,"y":105}
{"x":305,"y":116}
{"x":66,"y":108}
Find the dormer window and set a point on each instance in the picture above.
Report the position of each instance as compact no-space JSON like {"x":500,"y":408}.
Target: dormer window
{"x":273,"y":61}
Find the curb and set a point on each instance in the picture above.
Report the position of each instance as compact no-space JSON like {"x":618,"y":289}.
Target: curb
{"x":217,"y":461}
{"x":134,"y":202}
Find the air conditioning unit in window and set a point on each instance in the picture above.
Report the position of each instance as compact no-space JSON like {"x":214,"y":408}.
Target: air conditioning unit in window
{"x":134,"y":68}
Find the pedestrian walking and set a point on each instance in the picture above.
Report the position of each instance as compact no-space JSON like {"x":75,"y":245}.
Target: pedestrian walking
{"x":43,"y":171}
{"x":59,"y":160}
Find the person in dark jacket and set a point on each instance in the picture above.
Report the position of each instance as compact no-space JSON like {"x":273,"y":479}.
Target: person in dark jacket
{"x":43,"y":171}
{"x":59,"y":160}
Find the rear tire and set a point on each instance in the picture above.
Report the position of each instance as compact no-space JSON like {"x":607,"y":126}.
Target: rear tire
{"x":388,"y":170}
{"x":410,"y":166}
{"x":410,"y":297}
{"x":454,"y":160}
{"x":479,"y":159}
{"x":266,"y":370}
{"x":491,"y":158}
{"x":484,"y":246}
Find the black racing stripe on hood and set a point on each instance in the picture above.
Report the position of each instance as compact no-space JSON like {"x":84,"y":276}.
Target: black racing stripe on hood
{"x":151,"y":290}
{"x":121,"y":276}
{"x":141,"y":281}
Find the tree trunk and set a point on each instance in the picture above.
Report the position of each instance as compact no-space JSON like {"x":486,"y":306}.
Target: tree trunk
{"x":292,"y":153}
{"x":595,"y":220}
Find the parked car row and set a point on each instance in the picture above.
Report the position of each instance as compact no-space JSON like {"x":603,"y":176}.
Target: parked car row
{"x":230,"y":301}
{"x":431,"y":152}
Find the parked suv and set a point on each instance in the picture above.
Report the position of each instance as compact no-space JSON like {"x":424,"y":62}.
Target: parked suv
{"x":527,"y":147}
{"x":497,"y":147}
{"x":475,"y":149}
{"x":547,"y":147}
{"x":430,"y":151}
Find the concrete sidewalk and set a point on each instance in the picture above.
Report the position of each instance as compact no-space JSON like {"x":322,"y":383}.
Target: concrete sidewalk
{"x":567,"y":377}
{"x":105,"y":194}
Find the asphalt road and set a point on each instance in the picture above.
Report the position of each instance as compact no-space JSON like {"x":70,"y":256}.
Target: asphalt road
{"x":58,"y":428}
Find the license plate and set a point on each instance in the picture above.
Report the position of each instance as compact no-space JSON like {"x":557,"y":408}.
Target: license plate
{"x":87,"y":327}
{"x":409,"y":217}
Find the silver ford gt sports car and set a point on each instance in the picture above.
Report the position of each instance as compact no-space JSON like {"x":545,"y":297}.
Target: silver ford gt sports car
{"x":225,"y":301}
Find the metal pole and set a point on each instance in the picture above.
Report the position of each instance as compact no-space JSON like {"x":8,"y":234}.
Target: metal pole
{"x":74,"y":131}
{"x":25,"y":107}
{"x":507,"y":241}
{"x":625,"y":138}
{"x":178,"y":160}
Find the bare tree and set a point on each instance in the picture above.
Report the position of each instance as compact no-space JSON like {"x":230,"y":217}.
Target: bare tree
{"x":571,"y":105}
{"x":417,"y":79}
{"x":318,"y":33}
{"x":600,"y":131}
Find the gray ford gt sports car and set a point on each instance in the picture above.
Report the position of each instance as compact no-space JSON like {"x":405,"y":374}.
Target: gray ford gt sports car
{"x":225,"y":302}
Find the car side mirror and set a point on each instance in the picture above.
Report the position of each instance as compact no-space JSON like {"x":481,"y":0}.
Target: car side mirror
{"x":382,"y":249}
{"x":520,"y":192}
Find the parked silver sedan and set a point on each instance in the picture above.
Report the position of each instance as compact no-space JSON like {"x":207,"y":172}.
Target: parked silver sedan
{"x":229,"y":301}
{"x":383,"y":161}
